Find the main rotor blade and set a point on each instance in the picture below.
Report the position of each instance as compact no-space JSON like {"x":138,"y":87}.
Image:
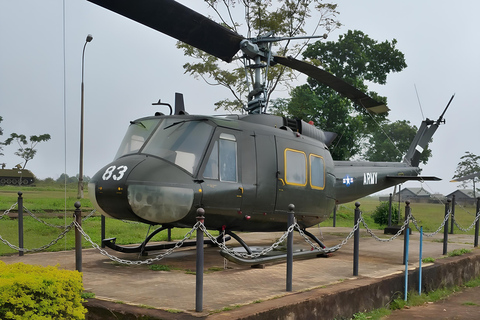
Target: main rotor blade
{"x":335,"y":83}
{"x":467,"y":177}
{"x":179,"y":22}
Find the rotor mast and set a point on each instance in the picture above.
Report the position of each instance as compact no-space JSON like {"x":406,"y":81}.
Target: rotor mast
{"x":259,"y":50}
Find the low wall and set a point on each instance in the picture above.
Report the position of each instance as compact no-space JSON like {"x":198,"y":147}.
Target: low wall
{"x":336,"y":301}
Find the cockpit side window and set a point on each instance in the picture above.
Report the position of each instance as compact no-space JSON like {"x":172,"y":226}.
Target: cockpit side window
{"x":222,"y":163}
{"x":211,"y":169}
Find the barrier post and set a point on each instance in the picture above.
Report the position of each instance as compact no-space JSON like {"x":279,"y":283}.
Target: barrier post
{"x":335,"y":216}
{"x":452,"y":215}
{"x":390,"y":210}
{"x":420,"y":262}
{"x":407,"y":230}
{"x":445,"y":227}
{"x":20,"y":223}
{"x":199,"y":263}
{"x":102,"y":226}
{"x":356,"y":240}
{"x":77,"y":215}
{"x":291,"y":218}
{"x":475,"y":241}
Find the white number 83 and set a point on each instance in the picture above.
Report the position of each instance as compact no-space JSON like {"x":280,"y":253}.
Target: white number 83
{"x":114,"y":172}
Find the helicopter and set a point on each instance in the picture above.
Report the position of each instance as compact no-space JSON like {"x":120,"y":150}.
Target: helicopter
{"x":243,"y":170}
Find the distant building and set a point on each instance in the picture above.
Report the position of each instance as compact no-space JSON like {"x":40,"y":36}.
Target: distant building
{"x":463,"y":196}
{"x":413,"y":195}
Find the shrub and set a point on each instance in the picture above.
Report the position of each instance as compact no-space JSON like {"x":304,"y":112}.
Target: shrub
{"x":380,"y":214}
{"x":36,"y":292}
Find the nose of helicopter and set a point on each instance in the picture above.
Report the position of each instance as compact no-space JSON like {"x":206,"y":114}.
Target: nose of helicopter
{"x":142,"y":188}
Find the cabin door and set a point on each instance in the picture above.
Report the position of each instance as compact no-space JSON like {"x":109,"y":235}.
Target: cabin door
{"x":292,"y":177}
{"x":222,"y":186}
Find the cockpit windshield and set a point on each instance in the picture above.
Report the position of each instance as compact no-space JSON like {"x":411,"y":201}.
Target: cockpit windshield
{"x":181,"y":142}
{"x":137,"y":133}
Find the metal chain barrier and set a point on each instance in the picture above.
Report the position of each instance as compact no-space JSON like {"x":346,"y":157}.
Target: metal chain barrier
{"x":89,"y":215}
{"x":470,"y":227}
{"x":8,"y":210}
{"x":42,"y":221}
{"x":64,"y":232}
{"x":447,"y":216}
{"x":329,"y":249}
{"x":399,"y":232}
{"x":137,"y":262}
{"x":222,"y":245}
{"x":246,"y":255}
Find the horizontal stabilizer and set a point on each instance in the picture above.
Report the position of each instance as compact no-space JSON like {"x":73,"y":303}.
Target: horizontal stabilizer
{"x":401,"y":179}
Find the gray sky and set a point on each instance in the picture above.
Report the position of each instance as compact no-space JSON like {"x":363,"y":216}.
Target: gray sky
{"x":128,"y":66}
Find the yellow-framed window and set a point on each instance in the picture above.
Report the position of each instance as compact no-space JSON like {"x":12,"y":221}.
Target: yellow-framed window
{"x":317,"y":172}
{"x":295,"y":167}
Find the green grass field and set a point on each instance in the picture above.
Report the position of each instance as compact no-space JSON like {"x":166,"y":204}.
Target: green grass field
{"x":55,"y":205}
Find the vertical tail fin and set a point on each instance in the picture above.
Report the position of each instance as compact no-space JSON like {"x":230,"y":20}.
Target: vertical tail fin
{"x":423,"y":136}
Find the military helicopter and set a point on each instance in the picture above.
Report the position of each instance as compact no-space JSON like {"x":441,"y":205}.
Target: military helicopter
{"x":243,"y":170}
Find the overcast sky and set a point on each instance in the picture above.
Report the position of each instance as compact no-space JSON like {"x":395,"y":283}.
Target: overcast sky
{"x":128,"y":66}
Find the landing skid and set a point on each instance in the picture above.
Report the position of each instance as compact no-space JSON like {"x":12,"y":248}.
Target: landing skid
{"x":272,"y":258}
{"x":143,"y":247}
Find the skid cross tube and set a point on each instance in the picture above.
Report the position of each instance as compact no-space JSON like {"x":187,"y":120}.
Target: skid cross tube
{"x":143,"y":247}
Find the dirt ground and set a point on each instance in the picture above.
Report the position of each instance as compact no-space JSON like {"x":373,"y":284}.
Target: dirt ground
{"x":461,"y":305}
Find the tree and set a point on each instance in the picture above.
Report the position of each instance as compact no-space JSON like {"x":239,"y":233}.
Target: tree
{"x":287,"y":19}
{"x":469,"y":164}
{"x":356,"y":58}
{"x":392,"y":142}
{"x":26,"y":153}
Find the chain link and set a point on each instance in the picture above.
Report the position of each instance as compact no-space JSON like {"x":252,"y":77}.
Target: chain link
{"x":470,"y":227}
{"x":89,"y":215}
{"x":399,"y":232}
{"x":447,"y":216}
{"x":8,"y":210}
{"x":231,"y":252}
{"x":329,"y":249}
{"x":42,"y":221}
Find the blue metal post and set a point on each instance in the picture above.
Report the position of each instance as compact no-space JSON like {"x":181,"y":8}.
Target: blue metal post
{"x":291,"y":214}
{"x":199,"y":263}
{"x":407,"y":237}
{"x":420,"y":263}
{"x":356,"y":240}
{"x":20,"y":223}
